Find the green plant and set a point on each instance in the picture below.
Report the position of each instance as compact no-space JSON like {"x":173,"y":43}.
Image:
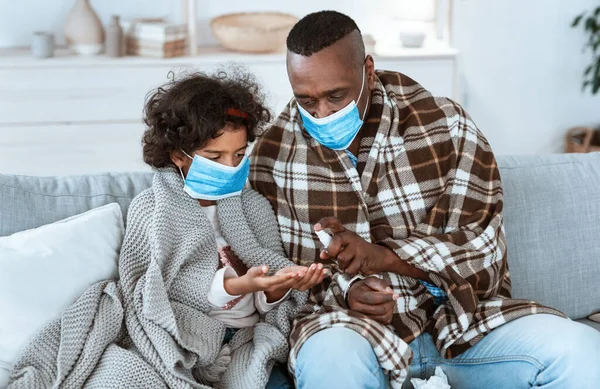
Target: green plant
{"x":591,"y":25}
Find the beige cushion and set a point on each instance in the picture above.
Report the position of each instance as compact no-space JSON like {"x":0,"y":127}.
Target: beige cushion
{"x":595,"y":317}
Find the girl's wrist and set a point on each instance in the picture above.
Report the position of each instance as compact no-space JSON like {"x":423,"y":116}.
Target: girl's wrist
{"x":236,"y":286}
{"x":276,"y":295}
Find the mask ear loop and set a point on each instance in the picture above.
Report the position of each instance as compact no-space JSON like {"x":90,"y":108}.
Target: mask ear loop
{"x":360,"y":94}
{"x":362,"y":86}
{"x":366,"y":108}
{"x":181,"y":171}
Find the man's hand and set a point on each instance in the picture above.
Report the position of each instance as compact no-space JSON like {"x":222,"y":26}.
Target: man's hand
{"x":353,"y":254}
{"x":373,"y":297}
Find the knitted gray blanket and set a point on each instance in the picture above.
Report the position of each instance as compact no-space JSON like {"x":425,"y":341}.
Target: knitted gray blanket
{"x":151,"y":329}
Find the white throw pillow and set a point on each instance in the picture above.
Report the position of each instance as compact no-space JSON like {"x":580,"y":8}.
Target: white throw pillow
{"x":44,"y":270}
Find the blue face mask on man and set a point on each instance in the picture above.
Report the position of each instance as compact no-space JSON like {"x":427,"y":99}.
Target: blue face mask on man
{"x":209,"y":180}
{"x":336,"y":131}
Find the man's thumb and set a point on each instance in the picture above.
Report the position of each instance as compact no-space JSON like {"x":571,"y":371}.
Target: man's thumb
{"x":377,"y":284}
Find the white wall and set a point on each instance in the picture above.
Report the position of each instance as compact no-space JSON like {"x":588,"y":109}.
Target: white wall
{"x":521,"y":62}
{"x":522,"y":66}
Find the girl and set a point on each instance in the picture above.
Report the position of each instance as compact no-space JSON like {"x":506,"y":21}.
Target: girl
{"x":197,"y":135}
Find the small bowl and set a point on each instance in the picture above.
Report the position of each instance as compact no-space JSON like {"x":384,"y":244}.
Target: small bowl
{"x":412,"y":34}
{"x":253,"y":32}
{"x":412,"y":40}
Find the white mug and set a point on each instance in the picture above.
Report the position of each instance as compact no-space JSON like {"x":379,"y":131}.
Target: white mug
{"x":42,"y":45}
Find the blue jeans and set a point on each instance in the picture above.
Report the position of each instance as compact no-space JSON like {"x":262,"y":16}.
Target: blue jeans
{"x":543,"y":351}
{"x":279,"y":378}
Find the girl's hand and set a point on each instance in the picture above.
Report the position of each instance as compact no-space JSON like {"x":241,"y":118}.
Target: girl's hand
{"x":312,"y":276}
{"x":257,"y":280}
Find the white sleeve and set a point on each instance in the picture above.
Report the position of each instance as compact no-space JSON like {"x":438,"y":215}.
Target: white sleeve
{"x":261,"y":304}
{"x":217,"y":295}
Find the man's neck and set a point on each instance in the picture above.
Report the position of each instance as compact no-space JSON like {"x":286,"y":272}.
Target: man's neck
{"x":355,"y":145}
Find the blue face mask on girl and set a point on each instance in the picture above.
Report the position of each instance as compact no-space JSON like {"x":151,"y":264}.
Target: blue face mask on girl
{"x":336,"y":131}
{"x":209,"y":180}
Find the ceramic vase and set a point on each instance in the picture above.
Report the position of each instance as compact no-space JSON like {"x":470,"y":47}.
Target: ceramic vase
{"x":83,"y":30}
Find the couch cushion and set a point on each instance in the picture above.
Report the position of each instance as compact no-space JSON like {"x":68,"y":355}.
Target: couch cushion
{"x":552,"y":222}
{"x":45,"y":270}
{"x":29,"y":202}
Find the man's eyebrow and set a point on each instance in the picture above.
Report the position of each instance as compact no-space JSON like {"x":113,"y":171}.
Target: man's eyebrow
{"x":336,"y":90}
{"x":326,"y":93}
{"x":301,"y":96}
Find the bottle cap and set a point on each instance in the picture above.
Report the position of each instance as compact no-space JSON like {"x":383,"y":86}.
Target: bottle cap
{"x":324,"y":237}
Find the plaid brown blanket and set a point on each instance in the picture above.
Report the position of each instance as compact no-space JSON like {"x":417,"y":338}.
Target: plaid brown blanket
{"x":426,"y":186}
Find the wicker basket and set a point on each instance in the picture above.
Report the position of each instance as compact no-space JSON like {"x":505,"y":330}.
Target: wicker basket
{"x":583,"y":140}
{"x":254,"y":32}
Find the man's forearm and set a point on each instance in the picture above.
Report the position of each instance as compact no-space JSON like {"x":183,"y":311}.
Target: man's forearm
{"x":391,"y":262}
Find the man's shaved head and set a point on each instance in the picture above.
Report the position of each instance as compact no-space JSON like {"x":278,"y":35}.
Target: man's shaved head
{"x":320,"y":30}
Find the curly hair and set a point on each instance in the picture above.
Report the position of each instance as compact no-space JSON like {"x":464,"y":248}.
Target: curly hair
{"x":186,"y":113}
{"x":319,"y":30}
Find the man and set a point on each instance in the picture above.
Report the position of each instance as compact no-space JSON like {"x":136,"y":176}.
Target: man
{"x":409,"y":189}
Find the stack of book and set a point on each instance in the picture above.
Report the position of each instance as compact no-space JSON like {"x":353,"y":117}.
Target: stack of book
{"x":156,"y":38}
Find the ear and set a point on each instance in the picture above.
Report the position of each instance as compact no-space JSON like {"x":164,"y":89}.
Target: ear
{"x":370,"y":68}
{"x":180,"y":160}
